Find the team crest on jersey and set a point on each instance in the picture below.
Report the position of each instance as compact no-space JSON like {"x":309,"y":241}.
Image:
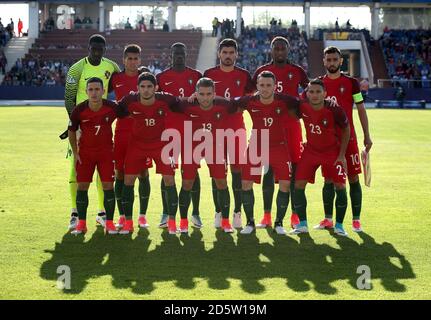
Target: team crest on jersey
{"x":290,"y":75}
{"x":342,"y":89}
{"x":218,"y":115}
{"x":325,"y":122}
{"x":278,"y":110}
{"x":107,"y":74}
{"x":160,"y":112}
{"x":107,"y":119}
{"x":238,"y":83}
{"x":190,"y":81}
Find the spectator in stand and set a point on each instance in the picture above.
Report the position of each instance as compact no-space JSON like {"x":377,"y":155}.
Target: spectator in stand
{"x":254,"y":47}
{"x":37,"y":73}
{"x":20,"y":27}
{"x":215,"y":27}
{"x":407,"y":54}
{"x":142,"y":26}
{"x":77,"y":23}
{"x":3,"y":62}
{"x":165,"y":27}
{"x":152,"y":23}
{"x":127,"y":25}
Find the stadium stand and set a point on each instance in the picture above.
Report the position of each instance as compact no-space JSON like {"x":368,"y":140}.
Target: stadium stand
{"x":408,"y":56}
{"x":52,"y":53}
{"x":254,"y":46}
{"x":6,"y":33}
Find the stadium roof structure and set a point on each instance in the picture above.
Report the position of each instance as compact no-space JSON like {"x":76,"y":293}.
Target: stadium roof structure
{"x":251,"y":2}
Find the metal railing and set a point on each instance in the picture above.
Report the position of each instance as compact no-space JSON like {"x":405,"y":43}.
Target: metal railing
{"x":386,"y":83}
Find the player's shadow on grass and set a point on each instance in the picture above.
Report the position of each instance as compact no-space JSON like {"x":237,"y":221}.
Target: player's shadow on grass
{"x":299,"y":263}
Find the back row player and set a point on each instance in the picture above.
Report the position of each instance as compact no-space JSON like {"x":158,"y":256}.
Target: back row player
{"x":178,"y":80}
{"x":122,"y":83}
{"x":94,"y":65}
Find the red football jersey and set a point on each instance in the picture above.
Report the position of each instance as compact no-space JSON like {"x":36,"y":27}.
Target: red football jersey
{"x":269,"y":116}
{"x":179,"y":84}
{"x":209,"y":120}
{"x":288,"y":79}
{"x":233,"y":84}
{"x":206,"y":119}
{"x":122,"y":84}
{"x":149,"y":121}
{"x":323,"y":127}
{"x":345,"y":92}
{"x":230,"y":85}
{"x":96,"y":126}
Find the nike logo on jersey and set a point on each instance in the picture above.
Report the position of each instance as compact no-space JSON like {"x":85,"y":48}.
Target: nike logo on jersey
{"x":255,"y":110}
{"x":168,"y":83}
{"x":217,"y":81}
{"x":136,"y":112}
{"x":194,"y":116}
{"x":304,"y":115}
{"x":119,"y":85}
{"x":85,"y":120}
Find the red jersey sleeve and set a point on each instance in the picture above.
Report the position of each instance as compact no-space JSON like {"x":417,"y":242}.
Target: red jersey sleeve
{"x":112,"y":82}
{"x":123,"y":104}
{"x":250,"y":87}
{"x":239,"y":104}
{"x":292,"y":103}
{"x":172,"y":101}
{"x":340,"y":117}
{"x":75,"y":119}
{"x":356,"y":91}
{"x":303,"y":78}
{"x":113,"y":106}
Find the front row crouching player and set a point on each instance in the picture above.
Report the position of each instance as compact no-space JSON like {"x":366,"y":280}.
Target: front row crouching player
{"x":328,"y":133}
{"x":207,"y":116}
{"x":267,"y":146}
{"x":148,"y":110}
{"x":95,"y":149}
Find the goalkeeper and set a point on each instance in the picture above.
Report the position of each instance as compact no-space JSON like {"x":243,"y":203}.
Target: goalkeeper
{"x":95,"y":65}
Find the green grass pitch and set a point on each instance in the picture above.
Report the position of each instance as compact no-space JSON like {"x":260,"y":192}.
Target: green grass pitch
{"x":207,"y":264}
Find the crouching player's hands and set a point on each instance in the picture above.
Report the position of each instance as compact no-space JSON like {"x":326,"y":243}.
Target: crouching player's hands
{"x":341,"y":159}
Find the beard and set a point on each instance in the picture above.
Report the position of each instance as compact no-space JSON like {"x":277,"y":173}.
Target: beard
{"x":227,"y":62}
{"x":333,"y":69}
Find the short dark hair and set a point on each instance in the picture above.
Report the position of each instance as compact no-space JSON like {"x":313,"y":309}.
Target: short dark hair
{"x":97,"y":38}
{"x":228,"y":42}
{"x":266,"y":74}
{"x":205,"y":83}
{"x":178,"y":44}
{"x":318,"y":82}
{"x":147,"y":76}
{"x":94,"y":80}
{"x":131,"y":48}
{"x":280,"y":39}
{"x":332,"y":49}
